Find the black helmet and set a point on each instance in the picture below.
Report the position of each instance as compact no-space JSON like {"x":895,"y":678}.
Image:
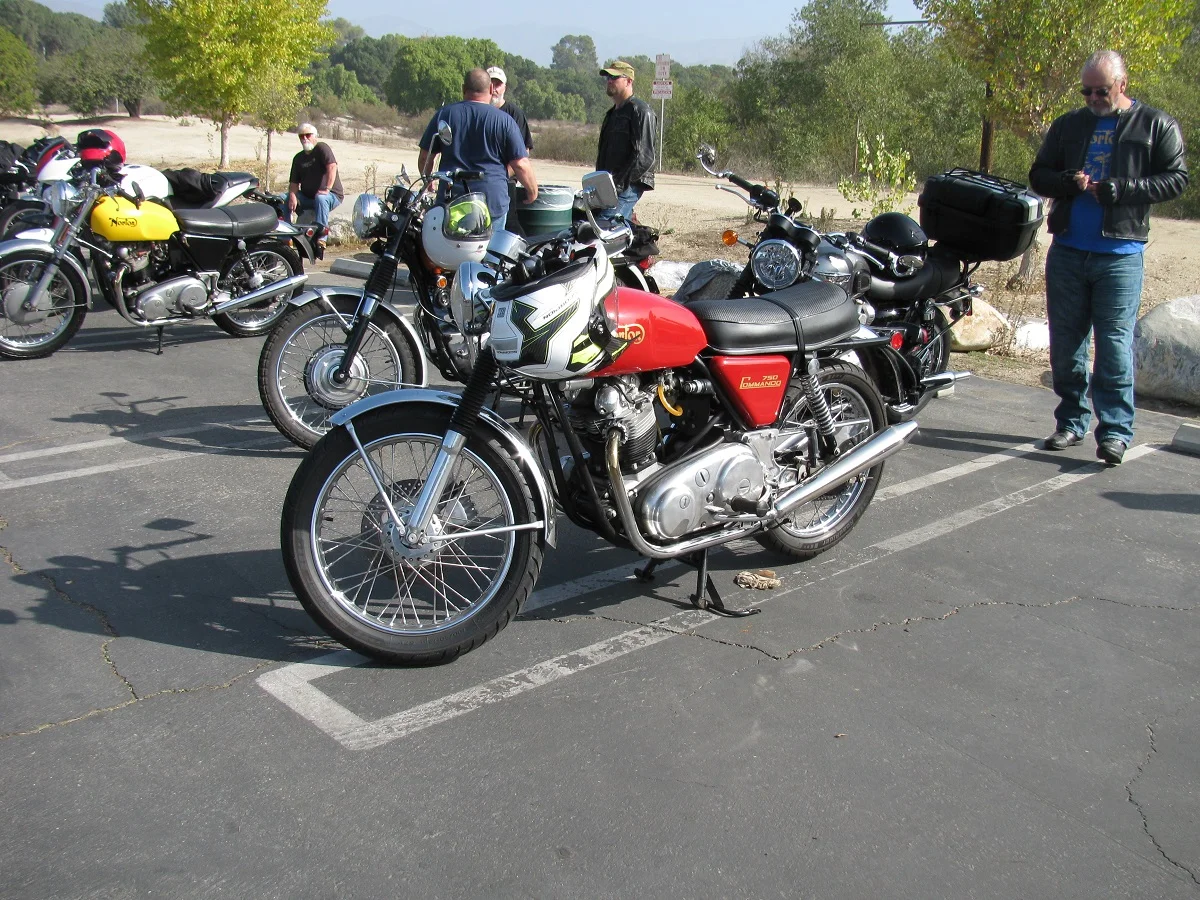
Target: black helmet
{"x":100,"y":147}
{"x":898,"y":233}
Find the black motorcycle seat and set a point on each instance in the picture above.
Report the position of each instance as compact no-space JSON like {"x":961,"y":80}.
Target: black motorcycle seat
{"x":941,"y":272}
{"x":805,"y":315}
{"x":221,"y":180}
{"x":242,"y":220}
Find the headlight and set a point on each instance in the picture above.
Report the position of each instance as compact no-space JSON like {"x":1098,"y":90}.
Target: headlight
{"x":62,"y":196}
{"x":367,"y":210}
{"x":776,"y":264}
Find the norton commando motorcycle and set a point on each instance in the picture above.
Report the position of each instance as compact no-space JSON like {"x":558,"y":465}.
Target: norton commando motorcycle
{"x":155,"y":266}
{"x":416,"y":527}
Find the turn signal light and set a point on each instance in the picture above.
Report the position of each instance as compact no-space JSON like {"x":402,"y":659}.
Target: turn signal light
{"x":897,"y":340}
{"x":729,"y":238}
{"x":442,"y":282}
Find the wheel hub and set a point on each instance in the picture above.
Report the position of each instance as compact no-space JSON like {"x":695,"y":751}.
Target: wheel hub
{"x":321,"y":386}
{"x":15,"y":296}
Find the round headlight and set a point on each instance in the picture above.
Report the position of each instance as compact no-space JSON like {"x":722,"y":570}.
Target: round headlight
{"x":62,"y":197}
{"x":776,"y":264}
{"x":367,"y":210}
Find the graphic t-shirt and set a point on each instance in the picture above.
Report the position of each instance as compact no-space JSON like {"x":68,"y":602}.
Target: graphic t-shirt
{"x":484,"y":138}
{"x":309,"y":168}
{"x":1085,"y":230}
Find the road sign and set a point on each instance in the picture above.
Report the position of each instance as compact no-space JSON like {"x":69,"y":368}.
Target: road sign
{"x":662,"y":67}
{"x":662,"y":90}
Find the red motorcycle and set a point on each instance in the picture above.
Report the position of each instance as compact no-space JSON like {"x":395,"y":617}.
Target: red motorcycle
{"x":414,"y":530}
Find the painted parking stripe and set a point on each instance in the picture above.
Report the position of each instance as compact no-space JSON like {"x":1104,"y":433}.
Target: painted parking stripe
{"x":176,"y":455}
{"x":949,"y":474}
{"x":135,"y":439}
{"x":293,"y":686}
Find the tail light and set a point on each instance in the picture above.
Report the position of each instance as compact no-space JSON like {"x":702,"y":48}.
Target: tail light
{"x":645,"y":264}
{"x":897,"y":340}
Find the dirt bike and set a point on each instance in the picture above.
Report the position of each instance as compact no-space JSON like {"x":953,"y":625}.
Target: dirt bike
{"x":906,"y":291}
{"x":414,"y":530}
{"x":155,"y":266}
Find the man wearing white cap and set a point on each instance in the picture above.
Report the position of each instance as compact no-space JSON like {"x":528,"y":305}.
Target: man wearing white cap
{"x":499,"y":87}
{"x":314,"y":182}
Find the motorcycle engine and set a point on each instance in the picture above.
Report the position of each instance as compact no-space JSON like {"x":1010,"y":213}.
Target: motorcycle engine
{"x":621,"y":402}
{"x":160,"y":300}
{"x":686,"y":497}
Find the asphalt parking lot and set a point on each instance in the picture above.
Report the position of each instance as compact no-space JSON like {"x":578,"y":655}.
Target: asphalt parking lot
{"x":988,"y":690}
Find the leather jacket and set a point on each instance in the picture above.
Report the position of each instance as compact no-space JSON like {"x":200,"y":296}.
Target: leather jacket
{"x":1148,"y":166}
{"x":627,"y":144}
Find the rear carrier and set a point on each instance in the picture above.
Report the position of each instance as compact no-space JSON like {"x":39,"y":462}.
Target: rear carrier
{"x":979,"y":217}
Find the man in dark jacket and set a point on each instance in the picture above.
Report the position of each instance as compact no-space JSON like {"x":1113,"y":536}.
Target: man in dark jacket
{"x":626,"y":140}
{"x":1102,"y":166}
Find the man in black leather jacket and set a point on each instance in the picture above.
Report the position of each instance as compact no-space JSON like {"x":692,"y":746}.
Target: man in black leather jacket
{"x":1101,"y":166}
{"x":626,"y":139}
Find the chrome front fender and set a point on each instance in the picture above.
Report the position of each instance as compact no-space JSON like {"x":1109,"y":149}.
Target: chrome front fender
{"x":327,"y":295}
{"x":20,"y":245}
{"x":498,"y":429}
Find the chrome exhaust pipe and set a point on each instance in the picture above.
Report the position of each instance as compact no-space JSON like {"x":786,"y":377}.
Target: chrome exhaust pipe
{"x":943,"y":379}
{"x":861,"y":458}
{"x":263,"y":293}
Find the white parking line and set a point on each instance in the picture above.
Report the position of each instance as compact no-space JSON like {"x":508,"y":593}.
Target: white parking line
{"x":293,"y":686}
{"x":84,"y":446}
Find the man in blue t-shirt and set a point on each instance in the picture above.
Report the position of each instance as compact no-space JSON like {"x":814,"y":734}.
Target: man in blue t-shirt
{"x":483,"y":138}
{"x":1103,"y":166}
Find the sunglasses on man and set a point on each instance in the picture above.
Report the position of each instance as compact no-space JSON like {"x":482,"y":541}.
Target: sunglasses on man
{"x":1100,"y":92}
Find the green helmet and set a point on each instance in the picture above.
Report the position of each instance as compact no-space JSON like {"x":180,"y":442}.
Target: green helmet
{"x":467,"y":218}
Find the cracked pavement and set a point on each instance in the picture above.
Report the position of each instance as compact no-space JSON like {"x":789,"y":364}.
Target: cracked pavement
{"x":1005,"y":709}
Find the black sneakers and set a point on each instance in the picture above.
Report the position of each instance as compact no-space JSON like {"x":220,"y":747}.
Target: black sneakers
{"x":1111,"y":451}
{"x":1061,"y":440}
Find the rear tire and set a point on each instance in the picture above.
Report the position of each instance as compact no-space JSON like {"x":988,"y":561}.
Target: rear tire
{"x":364,"y":587}
{"x":34,"y":335}
{"x":270,"y":262}
{"x":857,"y":415}
{"x":300,"y":354}
{"x":22,"y":214}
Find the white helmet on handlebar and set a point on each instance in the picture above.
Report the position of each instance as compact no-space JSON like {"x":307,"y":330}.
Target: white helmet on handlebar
{"x":458,"y":231}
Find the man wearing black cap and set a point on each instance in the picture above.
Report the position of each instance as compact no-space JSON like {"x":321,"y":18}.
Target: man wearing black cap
{"x":626,"y":139}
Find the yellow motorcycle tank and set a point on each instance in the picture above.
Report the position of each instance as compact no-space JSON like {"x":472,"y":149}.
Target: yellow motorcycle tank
{"x":121,"y":221}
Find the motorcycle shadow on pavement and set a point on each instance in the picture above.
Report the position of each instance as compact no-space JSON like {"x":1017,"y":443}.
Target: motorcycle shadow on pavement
{"x":241,"y":430}
{"x":164,"y":597}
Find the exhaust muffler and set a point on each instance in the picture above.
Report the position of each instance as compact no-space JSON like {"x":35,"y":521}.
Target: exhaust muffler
{"x":263,"y":293}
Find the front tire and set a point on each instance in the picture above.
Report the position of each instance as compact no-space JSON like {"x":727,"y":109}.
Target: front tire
{"x":23,"y":214}
{"x":263,"y":264}
{"x":36,"y":334}
{"x":297,"y":362}
{"x":857,"y":415}
{"x":363,"y":585}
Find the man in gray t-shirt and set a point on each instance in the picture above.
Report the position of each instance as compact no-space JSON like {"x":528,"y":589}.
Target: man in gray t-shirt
{"x":483,"y":138}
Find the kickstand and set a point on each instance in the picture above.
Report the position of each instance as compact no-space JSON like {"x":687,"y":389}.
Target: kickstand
{"x":707,"y":597}
{"x":160,"y":335}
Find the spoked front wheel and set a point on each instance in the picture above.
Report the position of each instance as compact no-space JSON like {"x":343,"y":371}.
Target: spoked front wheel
{"x":34,"y":333}
{"x":858,"y":414}
{"x":297,"y":366}
{"x":352,"y":570}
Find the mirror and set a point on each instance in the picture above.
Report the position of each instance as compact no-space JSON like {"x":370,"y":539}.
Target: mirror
{"x":910,"y":263}
{"x":599,"y":191}
{"x":445,"y":132}
{"x":707,"y":154}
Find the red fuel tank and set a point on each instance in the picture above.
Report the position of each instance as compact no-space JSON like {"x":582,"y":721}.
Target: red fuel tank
{"x":662,"y":334}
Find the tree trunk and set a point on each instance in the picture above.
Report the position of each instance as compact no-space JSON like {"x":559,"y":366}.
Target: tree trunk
{"x":133,"y":107}
{"x":267,"y":175}
{"x":986,"y":138}
{"x":224,"y":162}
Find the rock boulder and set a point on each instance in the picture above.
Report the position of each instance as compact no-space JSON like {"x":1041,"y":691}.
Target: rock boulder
{"x":984,"y":328}
{"x":1166,"y":351}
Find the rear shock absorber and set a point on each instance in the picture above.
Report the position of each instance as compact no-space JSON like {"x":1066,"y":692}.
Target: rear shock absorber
{"x":821,"y":413}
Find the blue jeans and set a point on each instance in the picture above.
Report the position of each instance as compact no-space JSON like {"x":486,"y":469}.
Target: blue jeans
{"x":626,"y":201}
{"x":1093,"y":293}
{"x":321,"y":205}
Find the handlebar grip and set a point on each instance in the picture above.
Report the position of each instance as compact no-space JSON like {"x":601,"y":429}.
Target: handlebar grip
{"x":882,"y":252}
{"x":745,"y":185}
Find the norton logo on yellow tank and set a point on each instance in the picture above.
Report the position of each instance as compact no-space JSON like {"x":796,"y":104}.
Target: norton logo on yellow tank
{"x":117,"y":219}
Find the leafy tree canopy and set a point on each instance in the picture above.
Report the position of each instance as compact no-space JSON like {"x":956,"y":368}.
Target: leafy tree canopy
{"x":428,"y":71}
{"x":16,"y":74}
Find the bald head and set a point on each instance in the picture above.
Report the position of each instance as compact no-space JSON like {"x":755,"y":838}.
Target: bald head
{"x":477,"y":85}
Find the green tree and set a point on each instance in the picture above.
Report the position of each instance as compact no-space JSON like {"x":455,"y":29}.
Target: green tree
{"x":119,"y":15}
{"x":277,"y":102}
{"x":346,"y":31}
{"x":1030,"y":51}
{"x":428,"y":71}
{"x":370,"y":59}
{"x":575,"y":53}
{"x":694,"y":117}
{"x":16,"y":74}
{"x":46,"y":32}
{"x":108,"y":69}
{"x":337,"y":81}
{"x":210,"y":54}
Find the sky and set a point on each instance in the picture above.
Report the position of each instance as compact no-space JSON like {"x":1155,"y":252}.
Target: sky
{"x":690,"y":31}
